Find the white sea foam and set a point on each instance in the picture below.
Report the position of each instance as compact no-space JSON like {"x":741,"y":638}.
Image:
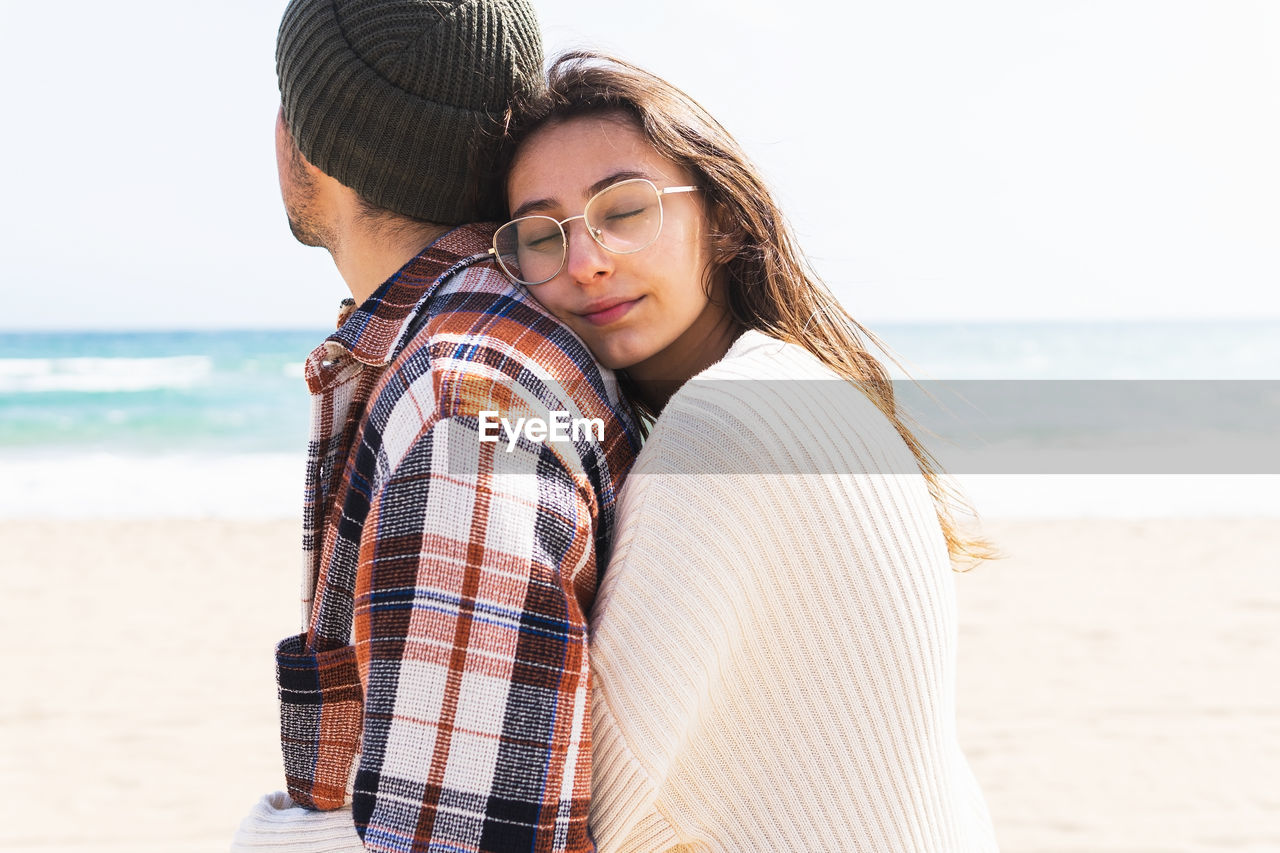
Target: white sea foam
{"x":107,"y":485}
{"x":269,"y":486}
{"x":1122,"y":496}
{"x":102,"y":375}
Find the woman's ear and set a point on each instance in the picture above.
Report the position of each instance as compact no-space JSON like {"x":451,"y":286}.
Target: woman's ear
{"x":725,"y":240}
{"x":726,"y":237}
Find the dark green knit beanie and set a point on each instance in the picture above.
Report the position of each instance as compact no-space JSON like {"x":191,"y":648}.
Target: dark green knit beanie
{"x":388,"y":96}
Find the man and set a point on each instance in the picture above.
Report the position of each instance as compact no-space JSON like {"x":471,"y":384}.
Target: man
{"x":440,"y":687}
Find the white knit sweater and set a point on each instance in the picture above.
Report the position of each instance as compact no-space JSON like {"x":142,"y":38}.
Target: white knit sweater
{"x":773,"y":656}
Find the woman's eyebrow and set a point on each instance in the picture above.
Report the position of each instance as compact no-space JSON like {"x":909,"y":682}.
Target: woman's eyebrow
{"x":529,"y":206}
{"x":616,"y":177}
{"x":545,"y":203}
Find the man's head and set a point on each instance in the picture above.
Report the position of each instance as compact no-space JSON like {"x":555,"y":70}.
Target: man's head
{"x":393,"y":98}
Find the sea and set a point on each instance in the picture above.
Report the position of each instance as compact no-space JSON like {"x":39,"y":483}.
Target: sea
{"x":213,"y":424}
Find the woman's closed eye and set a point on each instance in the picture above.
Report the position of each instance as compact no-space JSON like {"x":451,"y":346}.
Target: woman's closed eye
{"x":622,"y":215}
{"x":548,"y":241}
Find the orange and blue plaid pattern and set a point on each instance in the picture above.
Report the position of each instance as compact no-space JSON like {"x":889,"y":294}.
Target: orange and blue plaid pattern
{"x":442,"y":680}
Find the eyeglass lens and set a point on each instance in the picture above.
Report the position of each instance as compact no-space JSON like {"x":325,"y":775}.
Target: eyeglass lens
{"x":622,"y":218}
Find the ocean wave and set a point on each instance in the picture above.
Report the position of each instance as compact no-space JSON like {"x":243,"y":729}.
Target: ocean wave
{"x":102,"y":375}
{"x":166,"y":485}
{"x":268,"y":486}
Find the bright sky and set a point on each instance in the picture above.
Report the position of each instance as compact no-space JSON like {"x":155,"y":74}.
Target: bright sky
{"x":993,"y":159}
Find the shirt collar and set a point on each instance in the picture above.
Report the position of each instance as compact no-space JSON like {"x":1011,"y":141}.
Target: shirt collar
{"x":372,"y":334}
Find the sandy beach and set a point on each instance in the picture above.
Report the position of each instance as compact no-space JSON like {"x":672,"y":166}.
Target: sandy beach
{"x":1117,"y":682}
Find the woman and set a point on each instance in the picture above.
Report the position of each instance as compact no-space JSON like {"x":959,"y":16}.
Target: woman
{"x":773,"y":643}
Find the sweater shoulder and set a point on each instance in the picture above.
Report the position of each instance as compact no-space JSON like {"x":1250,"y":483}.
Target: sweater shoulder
{"x":770,"y":407}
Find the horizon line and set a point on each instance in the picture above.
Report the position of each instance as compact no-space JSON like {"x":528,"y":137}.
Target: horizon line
{"x":937,"y":322}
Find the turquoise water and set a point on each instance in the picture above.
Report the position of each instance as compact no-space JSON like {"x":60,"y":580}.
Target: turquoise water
{"x":234,"y":392}
{"x":203,"y":392}
{"x":215,"y":423}
{"x":1242,"y":349}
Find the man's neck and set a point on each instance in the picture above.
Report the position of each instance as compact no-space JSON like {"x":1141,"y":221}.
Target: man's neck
{"x":370,"y":252}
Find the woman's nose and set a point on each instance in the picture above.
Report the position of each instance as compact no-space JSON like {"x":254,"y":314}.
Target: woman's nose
{"x":587,"y":259}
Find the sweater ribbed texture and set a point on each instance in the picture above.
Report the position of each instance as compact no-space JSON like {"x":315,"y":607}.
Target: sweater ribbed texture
{"x":773,"y":657}
{"x":276,"y":824}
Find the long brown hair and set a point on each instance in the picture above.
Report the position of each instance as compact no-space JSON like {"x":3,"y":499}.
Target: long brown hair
{"x":769,"y":284}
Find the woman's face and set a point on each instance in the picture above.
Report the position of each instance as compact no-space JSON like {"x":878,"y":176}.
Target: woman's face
{"x":648,"y":311}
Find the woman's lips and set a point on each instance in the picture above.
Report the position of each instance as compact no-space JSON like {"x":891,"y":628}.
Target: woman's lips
{"x":608,"y":312}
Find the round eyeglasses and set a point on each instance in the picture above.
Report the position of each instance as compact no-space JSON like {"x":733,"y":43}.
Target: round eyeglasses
{"x":623,"y":218}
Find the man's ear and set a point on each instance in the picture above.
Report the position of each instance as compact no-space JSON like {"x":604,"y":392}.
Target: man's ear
{"x":297,"y":160}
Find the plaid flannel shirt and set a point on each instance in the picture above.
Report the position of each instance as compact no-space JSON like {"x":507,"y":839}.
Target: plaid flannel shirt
{"x":443,"y":675}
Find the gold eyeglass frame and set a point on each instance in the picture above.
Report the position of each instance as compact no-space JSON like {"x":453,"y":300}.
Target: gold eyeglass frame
{"x":594,"y":232}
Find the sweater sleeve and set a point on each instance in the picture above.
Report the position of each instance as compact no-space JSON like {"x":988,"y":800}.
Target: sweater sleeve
{"x":773,"y":642}
{"x":471,"y":646}
{"x":667,"y":623}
